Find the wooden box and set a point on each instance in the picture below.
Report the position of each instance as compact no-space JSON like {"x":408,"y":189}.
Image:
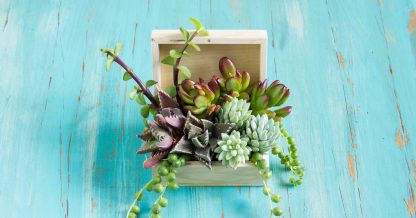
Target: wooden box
{"x":248,"y":50}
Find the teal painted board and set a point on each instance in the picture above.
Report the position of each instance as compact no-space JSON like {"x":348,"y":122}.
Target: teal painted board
{"x":68,"y":131}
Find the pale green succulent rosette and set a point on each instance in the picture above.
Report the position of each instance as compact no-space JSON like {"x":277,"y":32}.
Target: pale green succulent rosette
{"x":236,"y":111}
{"x":262,"y":132}
{"x":232,"y":149}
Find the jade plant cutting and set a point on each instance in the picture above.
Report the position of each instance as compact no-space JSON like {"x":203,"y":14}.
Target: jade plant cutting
{"x":230,"y":119}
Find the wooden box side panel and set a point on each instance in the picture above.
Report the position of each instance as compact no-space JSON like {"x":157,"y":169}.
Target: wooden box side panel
{"x":196,"y":174}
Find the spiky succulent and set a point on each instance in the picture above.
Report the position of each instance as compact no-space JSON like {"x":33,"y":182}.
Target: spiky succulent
{"x":233,"y":83}
{"x":232,"y":149}
{"x":262,"y":132}
{"x":263,"y":98}
{"x":199,"y":97}
{"x":164,"y":132}
{"x":235,"y":111}
{"x":201,"y":136}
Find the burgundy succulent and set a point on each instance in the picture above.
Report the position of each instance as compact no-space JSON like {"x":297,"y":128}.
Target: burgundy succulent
{"x":164,"y":132}
{"x":200,"y":98}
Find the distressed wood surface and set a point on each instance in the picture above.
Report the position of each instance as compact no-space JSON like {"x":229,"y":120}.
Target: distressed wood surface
{"x":67,"y":130}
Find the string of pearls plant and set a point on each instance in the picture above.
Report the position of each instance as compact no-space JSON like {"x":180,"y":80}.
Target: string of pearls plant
{"x":230,"y":119}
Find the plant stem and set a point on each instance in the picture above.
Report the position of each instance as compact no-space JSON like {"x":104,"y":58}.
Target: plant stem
{"x":269,"y":195}
{"x":145,"y":90}
{"x":135,"y":199}
{"x":176,"y":70}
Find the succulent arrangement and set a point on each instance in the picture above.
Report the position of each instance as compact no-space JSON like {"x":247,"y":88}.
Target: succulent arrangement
{"x":230,"y":119}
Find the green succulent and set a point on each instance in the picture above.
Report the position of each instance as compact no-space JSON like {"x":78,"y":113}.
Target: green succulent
{"x":200,"y":98}
{"x":235,"y":111}
{"x":262,"y":132}
{"x":233,"y":82}
{"x":263,"y":98}
{"x":232,"y":149}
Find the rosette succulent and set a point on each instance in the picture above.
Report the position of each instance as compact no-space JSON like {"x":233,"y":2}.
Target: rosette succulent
{"x":235,"y":111}
{"x":262,"y":132}
{"x":234,"y":83}
{"x":232,"y":149}
{"x":164,"y":132}
{"x":263,"y":98}
{"x":200,"y":98}
{"x":201,"y":136}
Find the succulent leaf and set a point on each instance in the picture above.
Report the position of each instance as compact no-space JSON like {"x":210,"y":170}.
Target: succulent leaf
{"x":232,"y":149}
{"x":235,"y":111}
{"x":262,"y":132}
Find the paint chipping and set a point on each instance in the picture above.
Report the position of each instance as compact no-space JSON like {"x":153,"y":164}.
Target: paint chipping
{"x":414,"y":169}
{"x":410,"y":203}
{"x":222,"y":213}
{"x":411,"y":25}
{"x":93,"y":205}
{"x":399,"y":139}
{"x":341,"y":61}
{"x":239,"y":189}
{"x":101,"y":87}
{"x":354,"y":145}
{"x":351,"y":166}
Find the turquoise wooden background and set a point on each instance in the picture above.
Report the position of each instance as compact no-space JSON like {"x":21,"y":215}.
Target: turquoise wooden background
{"x":67,"y":132}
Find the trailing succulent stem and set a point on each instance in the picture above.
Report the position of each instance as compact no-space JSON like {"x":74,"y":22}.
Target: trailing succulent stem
{"x":112,"y":55}
{"x":266,"y":174}
{"x":166,"y":178}
{"x":290,"y":160}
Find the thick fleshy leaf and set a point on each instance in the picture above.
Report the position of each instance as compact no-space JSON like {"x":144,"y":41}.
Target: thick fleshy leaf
{"x":227,"y":67}
{"x":283,"y":112}
{"x":192,"y":130}
{"x":208,"y":92}
{"x":275,"y":93}
{"x":166,"y":100}
{"x":202,"y":101}
{"x":195,"y":110}
{"x":155,"y":158}
{"x":260,"y":103}
{"x":245,"y":80}
{"x":187,"y":85}
{"x":214,"y":86}
{"x":146,"y":135}
{"x":183,"y":146}
{"x":284,"y":98}
{"x":232,"y":84}
{"x":165,"y":142}
{"x":147,"y":147}
{"x":185,"y":97}
{"x":176,"y":121}
{"x":222,"y":128}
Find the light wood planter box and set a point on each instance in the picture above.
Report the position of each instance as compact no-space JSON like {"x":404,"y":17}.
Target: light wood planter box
{"x":248,"y":50}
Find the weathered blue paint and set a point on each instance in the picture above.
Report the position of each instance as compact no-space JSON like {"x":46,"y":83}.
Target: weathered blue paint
{"x":67,"y":132}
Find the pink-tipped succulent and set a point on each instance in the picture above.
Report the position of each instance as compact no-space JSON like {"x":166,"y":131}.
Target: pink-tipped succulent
{"x":163,"y":133}
{"x":200,"y":98}
{"x":263,"y":98}
{"x":233,"y":82}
